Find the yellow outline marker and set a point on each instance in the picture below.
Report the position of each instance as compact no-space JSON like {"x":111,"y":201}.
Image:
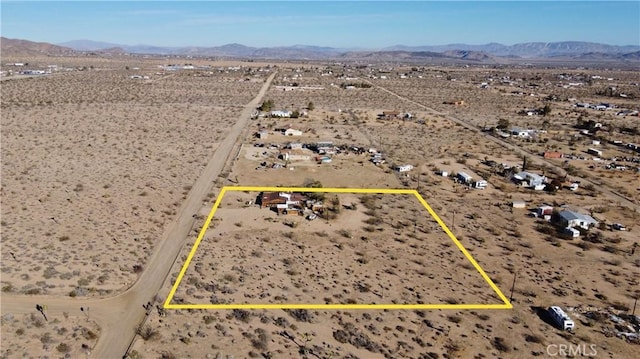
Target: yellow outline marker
{"x":168,"y":305}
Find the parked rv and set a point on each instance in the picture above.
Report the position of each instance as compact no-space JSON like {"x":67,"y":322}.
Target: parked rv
{"x":560,"y":318}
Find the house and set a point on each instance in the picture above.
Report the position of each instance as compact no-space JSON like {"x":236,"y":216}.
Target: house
{"x":280,"y":113}
{"x":294,"y":146}
{"x":294,"y":155}
{"x":283,"y":203}
{"x":574,"y":219}
{"x":529,"y":179}
{"x":292,"y":132}
{"x":552,"y":155}
{"x":404,"y":168}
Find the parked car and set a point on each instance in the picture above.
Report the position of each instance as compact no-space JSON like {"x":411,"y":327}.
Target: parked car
{"x":619,"y":227}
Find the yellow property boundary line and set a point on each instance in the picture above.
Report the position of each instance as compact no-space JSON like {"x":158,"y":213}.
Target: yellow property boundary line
{"x":167,"y":304}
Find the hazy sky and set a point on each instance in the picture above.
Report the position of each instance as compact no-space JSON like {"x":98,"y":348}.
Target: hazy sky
{"x":364,"y":24}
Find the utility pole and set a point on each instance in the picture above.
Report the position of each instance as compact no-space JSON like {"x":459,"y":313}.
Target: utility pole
{"x":513,"y":286}
{"x":634,"y":307}
{"x":453,"y":222}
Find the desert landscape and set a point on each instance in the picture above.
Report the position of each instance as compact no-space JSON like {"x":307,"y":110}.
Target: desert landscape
{"x":112,"y":163}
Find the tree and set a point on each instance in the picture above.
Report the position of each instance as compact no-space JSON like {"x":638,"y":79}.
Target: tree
{"x":335,"y":203}
{"x":266,"y":106}
{"x":311,"y":106}
{"x":311,"y":183}
{"x":546,"y":110}
{"x":503,"y":124}
{"x":295,"y":114}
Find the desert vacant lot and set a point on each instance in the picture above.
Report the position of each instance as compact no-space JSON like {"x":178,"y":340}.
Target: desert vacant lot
{"x":92,"y":176}
{"x":95,"y":164}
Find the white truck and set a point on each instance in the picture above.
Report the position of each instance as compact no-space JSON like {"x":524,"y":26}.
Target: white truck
{"x":561,"y":319}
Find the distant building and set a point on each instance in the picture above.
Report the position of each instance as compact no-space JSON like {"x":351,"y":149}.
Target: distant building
{"x":280,"y":113}
{"x":518,"y":203}
{"x":552,"y":155}
{"x":573,"y":219}
{"x":404,"y":168}
{"x":292,"y":132}
{"x":529,"y":179}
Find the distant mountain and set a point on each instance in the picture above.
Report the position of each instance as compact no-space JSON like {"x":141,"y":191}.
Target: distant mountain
{"x":11,"y":47}
{"x":631,"y":56}
{"x":88,"y":45}
{"x":491,"y":52}
{"x":527,"y":50}
{"x":469,"y":55}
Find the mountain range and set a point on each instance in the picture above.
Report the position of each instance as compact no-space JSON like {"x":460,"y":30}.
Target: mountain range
{"x":491,"y":52}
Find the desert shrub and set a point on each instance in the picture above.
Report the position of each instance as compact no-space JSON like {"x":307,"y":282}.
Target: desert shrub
{"x":500,"y":345}
{"x":262,"y":340}
{"x":620,"y":306}
{"x":63,"y":348}
{"x":451,"y":300}
{"x":532,"y":338}
{"x":301,"y":315}
{"x":241,"y":315}
{"x":148,"y":333}
{"x":46,"y":338}
{"x":167,"y":355}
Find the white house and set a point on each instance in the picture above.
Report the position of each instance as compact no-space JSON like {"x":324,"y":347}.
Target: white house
{"x":292,"y":132}
{"x":574,"y":219}
{"x":280,"y":113}
{"x":404,"y":168}
{"x":529,"y":179}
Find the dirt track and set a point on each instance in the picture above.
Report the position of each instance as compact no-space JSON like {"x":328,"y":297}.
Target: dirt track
{"x":119,"y":316}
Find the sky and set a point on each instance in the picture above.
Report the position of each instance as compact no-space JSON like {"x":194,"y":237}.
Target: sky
{"x":342,"y":24}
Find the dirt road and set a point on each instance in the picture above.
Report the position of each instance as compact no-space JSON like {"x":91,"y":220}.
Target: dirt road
{"x":119,"y":316}
{"x":602,"y":187}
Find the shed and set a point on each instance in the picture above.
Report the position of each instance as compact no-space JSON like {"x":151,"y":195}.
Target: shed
{"x":518,"y":203}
